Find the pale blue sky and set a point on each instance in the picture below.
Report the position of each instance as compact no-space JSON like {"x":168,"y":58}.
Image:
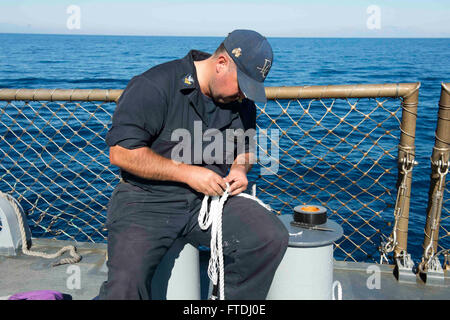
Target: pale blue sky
{"x":282,"y":18}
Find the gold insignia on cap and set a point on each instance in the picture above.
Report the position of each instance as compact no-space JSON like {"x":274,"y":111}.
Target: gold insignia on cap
{"x":237,"y":52}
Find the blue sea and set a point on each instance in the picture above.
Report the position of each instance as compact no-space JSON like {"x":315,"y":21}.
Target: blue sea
{"x":109,"y":62}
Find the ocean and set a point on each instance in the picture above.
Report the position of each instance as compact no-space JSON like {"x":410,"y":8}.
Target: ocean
{"x":109,"y":62}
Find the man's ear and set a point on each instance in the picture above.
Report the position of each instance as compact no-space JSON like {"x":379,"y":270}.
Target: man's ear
{"x":222,"y":63}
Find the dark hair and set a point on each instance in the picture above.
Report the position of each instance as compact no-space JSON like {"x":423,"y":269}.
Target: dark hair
{"x":220,"y":49}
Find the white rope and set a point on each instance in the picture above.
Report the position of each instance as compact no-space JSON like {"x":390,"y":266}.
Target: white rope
{"x":245,"y":195}
{"x":72,"y":250}
{"x":253,"y":197}
{"x":213,"y":218}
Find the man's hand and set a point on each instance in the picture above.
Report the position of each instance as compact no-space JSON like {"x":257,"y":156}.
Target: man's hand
{"x":205,"y":181}
{"x":237,"y":178}
{"x":146,"y":163}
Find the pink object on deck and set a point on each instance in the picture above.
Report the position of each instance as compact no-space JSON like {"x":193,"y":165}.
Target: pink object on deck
{"x":38,"y":295}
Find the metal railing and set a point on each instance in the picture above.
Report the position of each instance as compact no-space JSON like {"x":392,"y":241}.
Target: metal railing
{"x":54,"y":160}
{"x":437,"y":228}
{"x":349,"y":148}
{"x":339,"y":146}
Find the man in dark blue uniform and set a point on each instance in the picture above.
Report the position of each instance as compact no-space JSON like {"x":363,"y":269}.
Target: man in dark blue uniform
{"x":159,"y":198}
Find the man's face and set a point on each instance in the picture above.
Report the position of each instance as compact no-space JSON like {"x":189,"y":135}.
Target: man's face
{"x":224,"y":87}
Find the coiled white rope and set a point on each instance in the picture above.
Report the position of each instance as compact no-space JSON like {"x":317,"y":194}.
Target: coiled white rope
{"x":72,"y":250}
{"x":213,"y":218}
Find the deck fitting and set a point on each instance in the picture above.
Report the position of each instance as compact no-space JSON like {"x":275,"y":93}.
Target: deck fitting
{"x":404,"y":269}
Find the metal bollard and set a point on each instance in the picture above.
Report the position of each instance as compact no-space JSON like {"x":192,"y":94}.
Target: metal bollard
{"x":306,"y":271}
{"x":10,"y":234}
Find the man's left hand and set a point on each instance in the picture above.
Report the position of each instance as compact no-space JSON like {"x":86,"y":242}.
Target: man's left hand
{"x":237,"y":178}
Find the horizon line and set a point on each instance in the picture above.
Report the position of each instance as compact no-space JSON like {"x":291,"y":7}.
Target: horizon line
{"x":205,"y":36}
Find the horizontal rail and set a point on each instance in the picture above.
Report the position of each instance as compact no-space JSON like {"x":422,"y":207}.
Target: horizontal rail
{"x":394,"y":90}
{"x":60,"y":94}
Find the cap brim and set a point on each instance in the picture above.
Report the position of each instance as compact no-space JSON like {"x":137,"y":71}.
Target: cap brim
{"x":252,"y":89}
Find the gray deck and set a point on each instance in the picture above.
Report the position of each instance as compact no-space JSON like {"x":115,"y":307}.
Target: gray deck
{"x":25,"y":273}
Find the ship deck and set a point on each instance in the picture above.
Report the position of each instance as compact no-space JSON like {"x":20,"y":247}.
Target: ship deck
{"x":26,"y":273}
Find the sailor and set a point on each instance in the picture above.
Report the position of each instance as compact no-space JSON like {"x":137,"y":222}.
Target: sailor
{"x":159,"y":196}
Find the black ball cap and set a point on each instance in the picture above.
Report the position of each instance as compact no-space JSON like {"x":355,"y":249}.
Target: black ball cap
{"x":253,"y":56}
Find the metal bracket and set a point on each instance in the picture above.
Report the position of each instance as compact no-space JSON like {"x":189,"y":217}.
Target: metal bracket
{"x":404,"y":269}
{"x":435,"y":273}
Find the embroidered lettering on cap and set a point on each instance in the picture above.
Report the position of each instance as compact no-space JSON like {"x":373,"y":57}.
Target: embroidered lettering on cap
{"x":264,"y":69}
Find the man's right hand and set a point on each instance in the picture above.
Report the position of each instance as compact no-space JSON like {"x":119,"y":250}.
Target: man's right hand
{"x":147,"y":164}
{"x":205,"y":181}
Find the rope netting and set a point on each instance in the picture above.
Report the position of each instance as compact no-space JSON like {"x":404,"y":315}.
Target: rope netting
{"x":338,"y":153}
{"x":341,"y":153}
{"x":54,"y":161}
{"x":444,"y":232}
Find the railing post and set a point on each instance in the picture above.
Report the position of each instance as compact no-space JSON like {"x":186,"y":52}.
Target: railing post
{"x":406,"y":155}
{"x":439,"y":168}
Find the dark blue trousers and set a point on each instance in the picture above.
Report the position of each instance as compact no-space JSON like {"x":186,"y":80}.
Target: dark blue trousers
{"x":254,"y":242}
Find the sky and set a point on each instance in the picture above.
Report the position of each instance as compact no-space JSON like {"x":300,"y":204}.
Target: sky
{"x":273,"y":18}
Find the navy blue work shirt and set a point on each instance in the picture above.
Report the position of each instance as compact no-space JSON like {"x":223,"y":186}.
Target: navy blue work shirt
{"x":165,"y":98}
